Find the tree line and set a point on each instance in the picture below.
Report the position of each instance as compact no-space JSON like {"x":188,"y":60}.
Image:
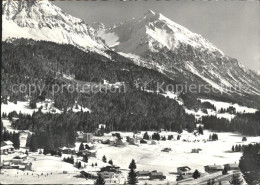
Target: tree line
{"x":247,"y":124}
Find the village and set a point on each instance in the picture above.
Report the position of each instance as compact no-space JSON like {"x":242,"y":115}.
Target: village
{"x":160,"y":157}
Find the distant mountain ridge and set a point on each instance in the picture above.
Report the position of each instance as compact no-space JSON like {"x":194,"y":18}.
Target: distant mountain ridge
{"x":152,"y":41}
{"x":157,"y":42}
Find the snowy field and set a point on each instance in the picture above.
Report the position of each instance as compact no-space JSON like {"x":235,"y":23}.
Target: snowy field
{"x":147,"y":156}
{"x":47,"y":106}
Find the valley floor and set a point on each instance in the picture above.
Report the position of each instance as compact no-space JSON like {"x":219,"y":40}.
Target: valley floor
{"x":48,"y":169}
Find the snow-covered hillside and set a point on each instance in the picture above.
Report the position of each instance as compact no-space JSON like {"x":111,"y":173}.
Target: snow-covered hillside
{"x":41,"y":20}
{"x":46,"y":106}
{"x":154,"y":41}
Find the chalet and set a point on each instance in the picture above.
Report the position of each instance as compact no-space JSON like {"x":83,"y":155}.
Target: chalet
{"x":6,"y":147}
{"x":183,"y":170}
{"x":166,"y":150}
{"x":199,"y":125}
{"x":233,"y":166}
{"x":84,"y":137}
{"x":114,"y":169}
{"x":90,"y":146}
{"x":20,"y":164}
{"x":22,"y":156}
{"x":118,"y":142}
{"x":213,"y":168}
{"x":89,"y":153}
{"x":87,"y":175}
{"x":142,"y":173}
{"x":66,"y":150}
{"x":157,"y":175}
{"x":107,"y":175}
{"x":99,"y":132}
{"x":195,"y":150}
{"x":101,"y":126}
{"x":132,"y":141}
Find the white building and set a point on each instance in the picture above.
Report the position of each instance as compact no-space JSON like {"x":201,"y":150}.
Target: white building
{"x":6,"y":147}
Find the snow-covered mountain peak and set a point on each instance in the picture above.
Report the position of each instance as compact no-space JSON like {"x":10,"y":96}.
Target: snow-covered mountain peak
{"x":41,"y":20}
{"x":153,"y":32}
{"x":156,"y":42}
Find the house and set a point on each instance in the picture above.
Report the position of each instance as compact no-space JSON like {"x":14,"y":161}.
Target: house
{"x":200,"y":125}
{"x":66,"y":150}
{"x":183,"y":170}
{"x":6,"y":147}
{"x":84,"y":137}
{"x":114,"y":169}
{"x":213,"y":168}
{"x":157,"y":175}
{"x":89,"y":153}
{"x":99,"y":132}
{"x":87,"y":137}
{"x":166,"y":150}
{"x":20,"y":164}
{"x":89,"y":146}
{"x":87,"y":175}
{"x":101,"y":126}
{"x":118,"y":142}
{"x":131,"y":140}
{"x":233,"y":166}
{"x":142,"y":173}
{"x":195,"y":150}
{"x":79,"y":135}
{"x":107,"y":175}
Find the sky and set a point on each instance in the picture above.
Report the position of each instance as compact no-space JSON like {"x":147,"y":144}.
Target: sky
{"x":232,"y":26}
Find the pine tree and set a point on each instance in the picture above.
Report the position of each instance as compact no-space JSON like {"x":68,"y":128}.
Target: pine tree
{"x":224,"y":172}
{"x":99,"y":181}
{"x":244,"y":139}
{"x":233,"y":148}
{"x":236,"y":180}
{"x":240,"y":148}
{"x":200,"y":130}
{"x":81,"y":147}
{"x":104,"y":159}
{"x":85,"y":158}
{"x":196,"y":174}
{"x":16,"y":140}
{"x":132,"y":165}
{"x":79,"y":165}
{"x":236,"y":148}
{"x":132,"y":179}
{"x":110,"y":162}
{"x":34,"y":143}
{"x":146,"y":136}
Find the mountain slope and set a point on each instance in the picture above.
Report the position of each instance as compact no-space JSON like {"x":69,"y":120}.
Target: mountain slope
{"x":41,"y":20}
{"x":156,"y":42}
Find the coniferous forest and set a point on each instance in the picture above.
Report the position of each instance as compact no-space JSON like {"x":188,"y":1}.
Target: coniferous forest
{"x":250,"y":163}
{"x":247,"y":124}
